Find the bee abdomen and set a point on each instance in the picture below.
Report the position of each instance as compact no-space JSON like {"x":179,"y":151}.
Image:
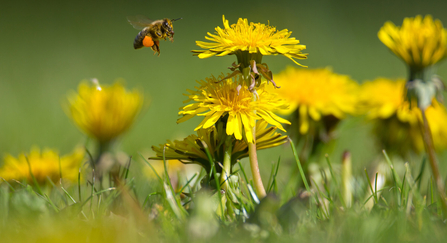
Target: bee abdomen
{"x":138,"y":42}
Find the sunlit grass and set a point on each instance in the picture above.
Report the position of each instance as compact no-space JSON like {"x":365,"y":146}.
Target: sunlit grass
{"x":116,"y":208}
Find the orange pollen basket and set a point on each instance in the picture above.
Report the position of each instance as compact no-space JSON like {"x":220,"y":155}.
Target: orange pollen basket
{"x":148,"y":42}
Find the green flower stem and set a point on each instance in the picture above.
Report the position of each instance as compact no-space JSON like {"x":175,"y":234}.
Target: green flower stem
{"x":259,"y":187}
{"x":244,"y":58}
{"x":430,"y":150}
{"x":226,"y":170}
{"x":103,"y":147}
{"x":253,"y":157}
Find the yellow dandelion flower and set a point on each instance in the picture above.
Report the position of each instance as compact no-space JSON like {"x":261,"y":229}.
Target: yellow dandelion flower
{"x":104,"y":112}
{"x":44,"y":164}
{"x":230,"y":97}
{"x":191,"y":150}
{"x":384,"y":100}
{"x":316,"y":93}
{"x":420,"y":42}
{"x":252,"y":38}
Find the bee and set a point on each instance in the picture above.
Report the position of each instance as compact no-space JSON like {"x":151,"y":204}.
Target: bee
{"x":151,"y":32}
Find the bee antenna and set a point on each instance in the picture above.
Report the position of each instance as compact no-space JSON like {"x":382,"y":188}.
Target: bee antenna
{"x":176,"y":19}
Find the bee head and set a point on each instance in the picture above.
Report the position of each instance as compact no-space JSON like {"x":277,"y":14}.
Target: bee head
{"x":167,"y":25}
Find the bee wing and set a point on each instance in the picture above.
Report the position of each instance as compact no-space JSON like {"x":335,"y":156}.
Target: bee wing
{"x":139,"y":21}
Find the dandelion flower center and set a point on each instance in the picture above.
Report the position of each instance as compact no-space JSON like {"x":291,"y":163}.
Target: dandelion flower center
{"x":231,"y":98}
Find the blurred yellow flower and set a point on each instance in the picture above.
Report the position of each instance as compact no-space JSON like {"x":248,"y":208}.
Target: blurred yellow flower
{"x":44,"y":164}
{"x":384,"y":99}
{"x":419,"y":42}
{"x":191,"y":150}
{"x":316,"y":93}
{"x":252,"y":38}
{"x":104,"y":112}
{"x":230,"y":97}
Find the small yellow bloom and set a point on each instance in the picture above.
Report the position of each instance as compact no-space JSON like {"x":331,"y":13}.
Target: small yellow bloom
{"x":191,"y":150}
{"x":419,"y":42}
{"x":216,"y":99}
{"x":316,"y":93}
{"x":45,"y":164}
{"x":384,"y":100}
{"x":104,"y":112}
{"x":252,"y":38}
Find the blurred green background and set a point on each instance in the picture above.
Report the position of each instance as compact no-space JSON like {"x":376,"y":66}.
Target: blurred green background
{"x":48,"y":47}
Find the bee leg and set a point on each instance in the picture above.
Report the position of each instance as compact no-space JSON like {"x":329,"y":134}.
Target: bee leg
{"x":170,"y":35}
{"x":156,"y":47}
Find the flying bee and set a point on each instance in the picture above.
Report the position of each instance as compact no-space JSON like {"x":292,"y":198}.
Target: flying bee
{"x":151,"y":32}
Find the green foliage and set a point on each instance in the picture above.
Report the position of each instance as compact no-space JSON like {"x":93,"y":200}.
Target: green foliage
{"x":402,"y":210}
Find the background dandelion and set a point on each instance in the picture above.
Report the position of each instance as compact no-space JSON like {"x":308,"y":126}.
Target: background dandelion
{"x":47,"y":166}
{"x":383,"y":102}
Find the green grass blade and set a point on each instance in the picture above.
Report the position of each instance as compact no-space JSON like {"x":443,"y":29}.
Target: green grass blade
{"x":324,"y":209}
{"x":303,"y":176}
{"x":243,"y":172}
{"x":187,"y":183}
{"x":370,"y":186}
{"x":402,"y":189}
{"x":128,"y":168}
{"x":79,"y":184}
{"x":155,"y":172}
{"x":395,"y":175}
{"x":274,"y":181}
{"x":167,"y":179}
{"x":10,"y":187}
{"x":93,"y":187}
{"x":51,"y":203}
{"x":253,"y":194}
{"x":421,"y":172}
{"x":33,"y":177}
{"x":97,"y":193}
{"x":68,"y":194}
{"x":213,"y":168}
{"x":331,"y":170}
{"x":272,"y":171}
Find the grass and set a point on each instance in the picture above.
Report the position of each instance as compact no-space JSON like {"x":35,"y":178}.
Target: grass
{"x":399,"y":210}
